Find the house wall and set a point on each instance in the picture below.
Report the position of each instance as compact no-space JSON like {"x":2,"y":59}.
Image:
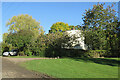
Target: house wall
{"x":78,"y":43}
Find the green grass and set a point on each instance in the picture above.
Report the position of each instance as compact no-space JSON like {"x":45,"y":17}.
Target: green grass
{"x":75,"y":68}
{"x":25,"y":57}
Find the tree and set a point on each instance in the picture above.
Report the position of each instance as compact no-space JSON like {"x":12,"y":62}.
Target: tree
{"x":22,"y":22}
{"x":94,"y":40}
{"x":39,"y":45}
{"x":103,"y":22}
{"x":4,"y":37}
{"x":55,"y":44}
{"x":59,"y":27}
{"x":0,"y":49}
{"x":5,"y":47}
{"x":21,"y":40}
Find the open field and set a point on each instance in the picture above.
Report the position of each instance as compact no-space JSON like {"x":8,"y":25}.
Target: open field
{"x":75,"y":67}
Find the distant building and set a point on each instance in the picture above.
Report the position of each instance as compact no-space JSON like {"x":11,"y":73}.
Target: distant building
{"x":78,"y":43}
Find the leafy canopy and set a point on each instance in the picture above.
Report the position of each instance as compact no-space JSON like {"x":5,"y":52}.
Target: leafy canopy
{"x":22,"y":22}
{"x":100,"y":26}
{"x":22,"y":39}
{"x":59,"y":27}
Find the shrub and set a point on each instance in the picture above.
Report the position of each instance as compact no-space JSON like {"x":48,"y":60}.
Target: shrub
{"x":0,"y":52}
{"x":96,"y":53}
{"x":28,"y":53}
{"x":21,"y":53}
{"x":54,"y":43}
{"x":42,"y":53}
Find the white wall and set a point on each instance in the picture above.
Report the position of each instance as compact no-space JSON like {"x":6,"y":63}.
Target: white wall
{"x":78,"y":43}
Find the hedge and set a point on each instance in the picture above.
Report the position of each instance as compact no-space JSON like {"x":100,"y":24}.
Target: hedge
{"x":97,"y":53}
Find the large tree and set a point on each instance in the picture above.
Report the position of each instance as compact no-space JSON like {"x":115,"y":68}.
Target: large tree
{"x":103,"y":22}
{"x":22,"y":22}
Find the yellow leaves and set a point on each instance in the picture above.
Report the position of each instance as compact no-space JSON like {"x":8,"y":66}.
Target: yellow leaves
{"x":67,"y":24}
{"x":5,"y":36}
{"x":59,"y":26}
{"x":115,"y":35}
{"x":63,"y":23}
{"x":21,"y":22}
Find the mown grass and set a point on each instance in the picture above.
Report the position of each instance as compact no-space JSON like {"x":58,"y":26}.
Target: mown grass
{"x":75,"y":67}
{"x":25,"y":57}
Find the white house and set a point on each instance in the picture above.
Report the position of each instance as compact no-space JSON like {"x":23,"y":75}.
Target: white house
{"x":78,"y":43}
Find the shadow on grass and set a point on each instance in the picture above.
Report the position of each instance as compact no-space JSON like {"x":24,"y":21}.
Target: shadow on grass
{"x":110,"y":62}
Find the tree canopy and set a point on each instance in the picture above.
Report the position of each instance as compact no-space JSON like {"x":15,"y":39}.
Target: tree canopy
{"x":22,"y":22}
{"x":22,"y":39}
{"x":59,"y":26}
{"x":101,"y":27}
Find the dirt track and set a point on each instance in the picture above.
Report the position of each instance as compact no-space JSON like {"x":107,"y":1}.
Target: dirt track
{"x":11,"y":69}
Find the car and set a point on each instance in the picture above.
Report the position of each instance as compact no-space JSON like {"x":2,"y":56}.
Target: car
{"x":6,"y":54}
{"x":11,"y":53}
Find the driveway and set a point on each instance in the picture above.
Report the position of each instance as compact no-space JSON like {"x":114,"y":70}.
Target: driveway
{"x":11,"y":69}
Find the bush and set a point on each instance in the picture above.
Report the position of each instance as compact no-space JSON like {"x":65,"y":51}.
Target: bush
{"x":72,"y":53}
{"x":0,"y":53}
{"x":28,"y":53}
{"x":54,"y":43}
{"x":96,"y":53}
{"x":42,"y":53}
{"x":21,"y":53}
{"x":113,"y":53}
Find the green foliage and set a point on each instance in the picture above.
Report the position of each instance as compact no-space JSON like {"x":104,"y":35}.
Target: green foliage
{"x":22,"y":22}
{"x":28,"y":53}
{"x":73,"y":53}
{"x":39,"y":45}
{"x":6,"y":47}
{"x":0,"y":49}
{"x":95,"y":40}
{"x":4,"y":37}
{"x":99,"y":17}
{"x":101,"y":28}
{"x":54,"y":43}
{"x":23,"y":31}
{"x":22,"y":39}
{"x":50,"y":45}
{"x":59,"y":26}
{"x":21,"y":53}
{"x":96,"y":53}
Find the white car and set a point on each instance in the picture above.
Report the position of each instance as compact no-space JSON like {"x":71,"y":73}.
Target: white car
{"x":6,"y":54}
{"x":11,"y":53}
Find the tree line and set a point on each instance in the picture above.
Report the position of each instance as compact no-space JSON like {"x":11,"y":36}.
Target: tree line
{"x":101,"y":29}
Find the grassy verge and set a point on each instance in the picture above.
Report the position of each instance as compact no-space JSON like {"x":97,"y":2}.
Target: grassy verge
{"x":75,"y":68}
{"x":25,"y":57}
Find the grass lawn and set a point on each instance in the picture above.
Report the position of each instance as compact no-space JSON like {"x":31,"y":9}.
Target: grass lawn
{"x":25,"y":57}
{"x":75,"y":67}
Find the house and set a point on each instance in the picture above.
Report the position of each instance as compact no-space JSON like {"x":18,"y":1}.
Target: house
{"x":78,"y":42}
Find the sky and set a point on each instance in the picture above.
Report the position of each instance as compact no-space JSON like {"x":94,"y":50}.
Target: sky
{"x":47,"y":13}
